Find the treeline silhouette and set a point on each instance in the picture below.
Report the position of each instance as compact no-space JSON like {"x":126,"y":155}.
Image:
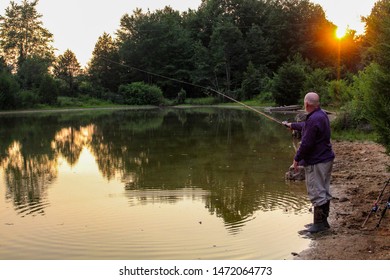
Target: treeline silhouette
{"x":266,"y":50}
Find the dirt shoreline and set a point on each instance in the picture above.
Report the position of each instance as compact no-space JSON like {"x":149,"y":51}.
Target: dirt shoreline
{"x":360,"y":172}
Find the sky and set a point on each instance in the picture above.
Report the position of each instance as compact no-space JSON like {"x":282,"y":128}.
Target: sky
{"x":347,"y":13}
{"x":77,"y":24}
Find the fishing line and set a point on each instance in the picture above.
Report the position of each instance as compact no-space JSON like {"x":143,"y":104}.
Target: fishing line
{"x":198,"y":86}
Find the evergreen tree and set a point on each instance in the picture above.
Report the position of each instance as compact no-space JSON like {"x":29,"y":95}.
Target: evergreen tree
{"x":67,"y":68}
{"x":22,"y":34}
{"x":104,"y":66}
{"x":251,"y":84}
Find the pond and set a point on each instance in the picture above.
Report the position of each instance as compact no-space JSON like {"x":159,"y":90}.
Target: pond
{"x":145,"y":184}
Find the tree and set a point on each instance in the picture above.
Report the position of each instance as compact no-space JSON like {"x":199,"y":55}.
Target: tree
{"x":8,"y":89}
{"x":158,"y":45}
{"x":22,"y":34}
{"x":376,"y":40}
{"x":252,"y":82}
{"x":228,"y":54}
{"x":377,"y":99}
{"x":260,"y":48}
{"x":139,"y":93}
{"x":104,"y":68}
{"x":289,"y":81}
{"x":317,"y":80}
{"x":31,"y":71}
{"x":67,"y":68}
{"x":48,"y":90}
{"x":306,"y":30}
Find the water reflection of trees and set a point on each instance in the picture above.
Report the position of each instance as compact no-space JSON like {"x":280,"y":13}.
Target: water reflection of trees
{"x":228,"y":153}
{"x":70,"y":141}
{"x":30,"y":146}
{"x":26,"y":178}
{"x":200,"y":149}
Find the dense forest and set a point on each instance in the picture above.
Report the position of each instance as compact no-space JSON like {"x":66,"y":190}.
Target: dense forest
{"x":272,"y":51}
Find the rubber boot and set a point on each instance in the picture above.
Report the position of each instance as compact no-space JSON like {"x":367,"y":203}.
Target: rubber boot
{"x":320,"y":223}
{"x":325,"y":208}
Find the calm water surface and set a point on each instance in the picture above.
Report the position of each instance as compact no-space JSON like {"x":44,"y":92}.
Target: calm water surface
{"x":148,"y":184}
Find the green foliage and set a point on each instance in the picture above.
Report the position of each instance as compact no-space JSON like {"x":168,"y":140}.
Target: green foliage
{"x":289,"y":82}
{"x":339,"y":93}
{"x":22,"y":34}
{"x":159,"y":44}
{"x":360,"y":89}
{"x":378,"y":34}
{"x":252,"y":83}
{"x":240,"y":47}
{"x":181,"y":96}
{"x":88,"y":88}
{"x":31,"y":72}
{"x":305,"y":30}
{"x":377,"y":97}
{"x":81,"y":102}
{"x":377,"y":102}
{"x":260,"y":47}
{"x":139,"y":93}
{"x":104,"y":68}
{"x":366,"y":115}
{"x":318,"y":81}
{"x":93,"y":90}
{"x":201,"y":101}
{"x":354,"y":135}
{"x":67,"y":68}
{"x":3,"y":65}
{"x":212,"y":46}
{"x":353,"y":115}
{"x":228,"y":53}
{"x":68,"y":102}
{"x":27,"y":99}
{"x":351,"y":118}
{"x":8,"y":89}
{"x":48,"y":90}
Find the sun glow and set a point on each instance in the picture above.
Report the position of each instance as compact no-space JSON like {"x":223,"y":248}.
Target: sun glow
{"x":341,"y":31}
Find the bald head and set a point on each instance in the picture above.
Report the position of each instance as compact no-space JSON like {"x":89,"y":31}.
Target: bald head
{"x":312,"y":101}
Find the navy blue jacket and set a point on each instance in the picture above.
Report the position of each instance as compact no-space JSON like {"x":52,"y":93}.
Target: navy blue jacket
{"x":315,"y":144}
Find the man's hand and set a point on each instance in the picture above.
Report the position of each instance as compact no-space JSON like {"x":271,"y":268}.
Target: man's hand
{"x":295,"y":164}
{"x":286,"y":124}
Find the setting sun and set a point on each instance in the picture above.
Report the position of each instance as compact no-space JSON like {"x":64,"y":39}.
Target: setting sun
{"x":347,"y":13}
{"x":341,"y":31}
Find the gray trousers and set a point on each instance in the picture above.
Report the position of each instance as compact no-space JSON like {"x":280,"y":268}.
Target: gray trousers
{"x":318,"y":182}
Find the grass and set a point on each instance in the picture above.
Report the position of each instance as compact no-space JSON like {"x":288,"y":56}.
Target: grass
{"x":354,"y":135}
{"x":81,"y":102}
{"x":252,"y":103}
{"x":200,"y":101}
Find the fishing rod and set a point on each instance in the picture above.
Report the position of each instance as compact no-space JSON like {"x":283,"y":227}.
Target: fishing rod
{"x":375,"y":207}
{"x":387,"y":206}
{"x":249,"y":107}
{"x":199,"y":86}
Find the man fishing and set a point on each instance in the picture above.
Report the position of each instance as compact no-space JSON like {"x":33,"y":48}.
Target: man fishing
{"x":316,"y":155}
